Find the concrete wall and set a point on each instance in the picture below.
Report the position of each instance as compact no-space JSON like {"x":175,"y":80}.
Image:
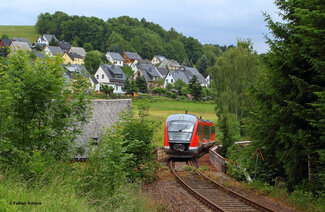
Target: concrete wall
{"x":104,"y":114}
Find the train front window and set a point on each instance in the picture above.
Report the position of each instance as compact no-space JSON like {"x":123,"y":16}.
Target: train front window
{"x":180,"y":131}
{"x":180,"y":126}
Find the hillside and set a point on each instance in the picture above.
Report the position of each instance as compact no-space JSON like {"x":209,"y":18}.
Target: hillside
{"x":28,"y":32}
{"x":125,"y":33}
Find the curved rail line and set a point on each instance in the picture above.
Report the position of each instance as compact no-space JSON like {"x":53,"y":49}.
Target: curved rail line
{"x":220,"y":191}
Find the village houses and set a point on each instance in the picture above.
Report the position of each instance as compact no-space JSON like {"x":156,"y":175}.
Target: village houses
{"x":111,"y":75}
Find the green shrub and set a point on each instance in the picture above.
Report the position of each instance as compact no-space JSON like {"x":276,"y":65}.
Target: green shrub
{"x":189,"y":168}
{"x":301,"y":200}
{"x":203,"y":169}
{"x":263,"y":187}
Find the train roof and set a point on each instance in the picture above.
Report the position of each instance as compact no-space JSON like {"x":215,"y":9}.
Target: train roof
{"x":189,"y":117}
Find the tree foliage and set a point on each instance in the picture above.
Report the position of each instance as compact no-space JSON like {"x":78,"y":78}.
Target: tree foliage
{"x":195,"y":88}
{"x":92,"y":61}
{"x":35,"y":111}
{"x":287,"y":118}
{"x":231,"y":76}
{"x":141,"y":84}
{"x":122,"y":34}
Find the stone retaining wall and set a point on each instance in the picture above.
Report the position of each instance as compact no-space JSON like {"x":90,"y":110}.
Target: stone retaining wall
{"x":104,"y":114}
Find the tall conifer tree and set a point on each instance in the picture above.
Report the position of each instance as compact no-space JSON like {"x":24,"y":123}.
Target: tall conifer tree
{"x":285,"y":117}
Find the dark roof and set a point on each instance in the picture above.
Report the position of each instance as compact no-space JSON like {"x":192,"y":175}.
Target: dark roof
{"x":55,"y":50}
{"x":39,"y":55}
{"x":94,"y":79}
{"x":75,"y":68}
{"x":133,"y":55}
{"x":163,"y":71}
{"x":23,"y":40}
{"x":115,"y":56}
{"x":112,"y":71}
{"x":149,"y":71}
{"x":160,"y":58}
{"x":64,"y":45}
{"x":49,"y":37}
{"x":190,"y":71}
{"x":6,"y":42}
{"x":74,"y":55}
{"x":142,"y":61}
{"x":179,"y":74}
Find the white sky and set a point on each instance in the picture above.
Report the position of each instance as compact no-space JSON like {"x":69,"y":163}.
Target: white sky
{"x":210,"y":21}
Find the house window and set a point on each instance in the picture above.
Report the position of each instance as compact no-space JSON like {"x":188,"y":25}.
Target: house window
{"x":171,"y":80}
{"x":103,"y":76}
{"x":116,"y":88}
{"x":97,"y":76}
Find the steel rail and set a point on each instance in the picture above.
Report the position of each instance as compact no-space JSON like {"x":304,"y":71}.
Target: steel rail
{"x":233,"y":193}
{"x":201,"y":198}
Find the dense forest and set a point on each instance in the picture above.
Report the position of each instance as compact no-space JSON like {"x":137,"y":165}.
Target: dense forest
{"x":276,"y":100}
{"x":128,"y":34}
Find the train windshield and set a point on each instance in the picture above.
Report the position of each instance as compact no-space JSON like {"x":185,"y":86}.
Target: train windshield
{"x":180,"y":126}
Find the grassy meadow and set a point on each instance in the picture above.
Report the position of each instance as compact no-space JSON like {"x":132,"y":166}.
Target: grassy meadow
{"x":28,"y":32}
{"x":161,"y":108}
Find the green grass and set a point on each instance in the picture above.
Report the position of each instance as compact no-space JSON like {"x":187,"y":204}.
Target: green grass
{"x":161,"y":108}
{"x":28,"y":32}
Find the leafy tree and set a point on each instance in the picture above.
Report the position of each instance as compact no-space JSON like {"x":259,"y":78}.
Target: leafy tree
{"x":175,"y":50}
{"x":169,"y":86}
{"x":133,"y":86}
{"x":179,"y":85}
{"x":141,"y":84}
{"x":193,"y":48}
{"x":202,"y":64}
{"x":93,"y":61}
{"x":195,"y":88}
{"x":128,"y":71}
{"x":288,"y":94}
{"x":159,"y":91}
{"x":231,"y":77}
{"x":212,"y":53}
{"x":108,"y":90}
{"x":158,"y":83}
{"x":88,"y":47}
{"x":35,"y":113}
{"x":4,"y":52}
{"x":228,"y":126}
{"x":127,"y":86}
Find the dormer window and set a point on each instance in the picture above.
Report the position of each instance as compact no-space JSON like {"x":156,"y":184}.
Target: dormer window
{"x":118,"y":75}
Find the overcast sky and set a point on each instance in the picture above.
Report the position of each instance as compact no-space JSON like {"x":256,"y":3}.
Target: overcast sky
{"x":210,"y":21}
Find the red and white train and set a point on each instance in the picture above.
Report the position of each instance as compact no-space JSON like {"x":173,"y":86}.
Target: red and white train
{"x":186,"y":135}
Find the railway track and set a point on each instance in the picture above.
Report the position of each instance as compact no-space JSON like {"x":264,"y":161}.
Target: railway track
{"x":214,"y":195}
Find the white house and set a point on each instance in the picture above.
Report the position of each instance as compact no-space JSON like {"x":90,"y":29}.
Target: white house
{"x":185,"y":74}
{"x":157,"y":59}
{"x":46,"y":39}
{"x":173,"y":76}
{"x":112,"y":76}
{"x":115,"y":58}
{"x":208,"y":80}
